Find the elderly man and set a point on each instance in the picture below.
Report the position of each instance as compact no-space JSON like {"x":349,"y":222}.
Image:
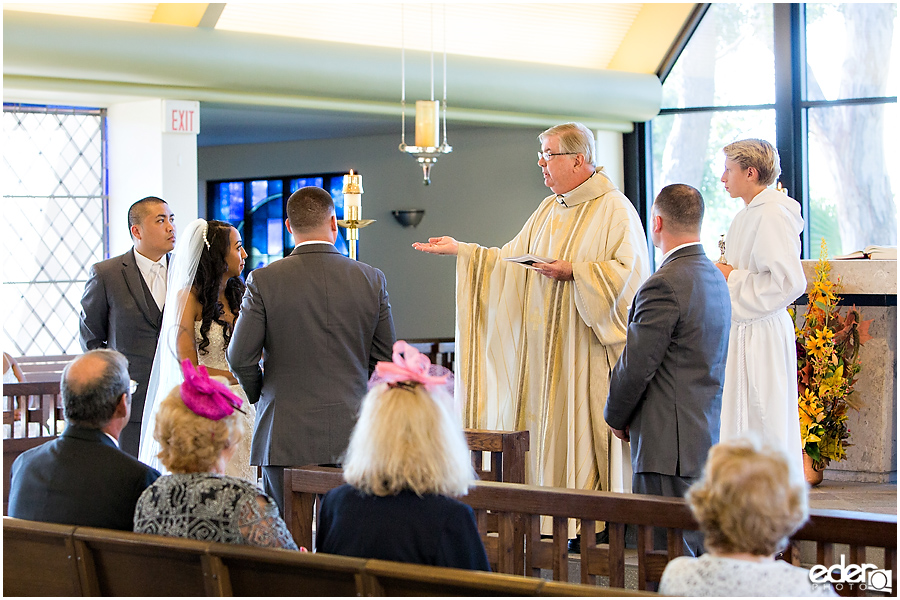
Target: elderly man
{"x":536,"y":344}
{"x":82,"y":478}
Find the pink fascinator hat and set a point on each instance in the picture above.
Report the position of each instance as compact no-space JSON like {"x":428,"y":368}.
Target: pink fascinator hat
{"x":205,"y":396}
{"x":409,"y":368}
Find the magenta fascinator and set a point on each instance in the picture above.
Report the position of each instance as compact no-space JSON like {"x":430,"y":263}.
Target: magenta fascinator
{"x":205,"y":396}
{"x":411,"y":367}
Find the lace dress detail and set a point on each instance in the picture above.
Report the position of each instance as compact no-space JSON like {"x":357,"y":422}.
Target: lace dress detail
{"x":211,"y":508}
{"x":719,"y":576}
{"x":239,"y":466}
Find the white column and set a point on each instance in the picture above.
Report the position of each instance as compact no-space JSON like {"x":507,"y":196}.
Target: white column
{"x":610,"y":155}
{"x":146,"y":160}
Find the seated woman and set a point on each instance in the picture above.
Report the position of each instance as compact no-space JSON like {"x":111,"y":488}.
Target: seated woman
{"x":406,"y":459}
{"x":747,"y":504}
{"x":198,"y":429}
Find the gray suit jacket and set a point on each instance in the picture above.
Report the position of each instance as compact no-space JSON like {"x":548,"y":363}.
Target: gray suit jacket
{"x":667,"y":385}
{"x":320,"y":321}
{"x":118,"y":312}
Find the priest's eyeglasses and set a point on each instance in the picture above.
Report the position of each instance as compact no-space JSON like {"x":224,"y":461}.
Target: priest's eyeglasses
{"x":547,"y":155}
{"x":132,"y":386}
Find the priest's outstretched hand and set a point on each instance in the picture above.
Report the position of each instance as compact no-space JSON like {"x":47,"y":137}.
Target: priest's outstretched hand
{"x":438,"y":245}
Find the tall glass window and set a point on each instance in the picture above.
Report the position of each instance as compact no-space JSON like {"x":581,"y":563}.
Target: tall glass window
{"x":720,"y":90}
{"x":851,"y":76}
{"x":55,"y":206}
{"x":723,"y":88}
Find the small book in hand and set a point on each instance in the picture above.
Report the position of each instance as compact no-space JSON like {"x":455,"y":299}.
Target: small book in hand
{"x":529,"y":259}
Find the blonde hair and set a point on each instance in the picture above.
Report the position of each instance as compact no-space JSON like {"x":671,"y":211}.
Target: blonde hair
{"x":756,"y":153}
{"x":748,"y":500}
{"x":407,"y":438}
{"x":573,"y":137}
{"x":188,"y":442}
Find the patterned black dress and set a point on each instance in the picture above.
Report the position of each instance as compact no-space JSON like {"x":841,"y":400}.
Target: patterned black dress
{"x":212,"y":508}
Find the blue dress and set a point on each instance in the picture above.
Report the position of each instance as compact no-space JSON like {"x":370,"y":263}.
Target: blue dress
{"x":429,"y":530}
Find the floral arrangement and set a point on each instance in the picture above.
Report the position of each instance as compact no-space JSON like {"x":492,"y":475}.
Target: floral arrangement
{"x":827,"y":365}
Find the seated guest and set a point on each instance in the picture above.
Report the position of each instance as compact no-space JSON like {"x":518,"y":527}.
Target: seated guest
{"x":747,"y":504}
{"x":82,"y":478}
{"x":198,"y":430}
{"x":407,"y":457}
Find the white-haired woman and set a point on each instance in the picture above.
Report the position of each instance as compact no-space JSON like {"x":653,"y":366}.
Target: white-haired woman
{"x":747,"y":503}
{"x":406,"y":460}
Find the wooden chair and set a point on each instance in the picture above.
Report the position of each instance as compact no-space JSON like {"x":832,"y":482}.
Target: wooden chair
{"x":39,"y":559}
{"x":124,"y":563}
{"x":254,"y":571}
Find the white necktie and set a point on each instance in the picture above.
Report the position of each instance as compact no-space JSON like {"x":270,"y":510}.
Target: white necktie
{"x":158,"y":284}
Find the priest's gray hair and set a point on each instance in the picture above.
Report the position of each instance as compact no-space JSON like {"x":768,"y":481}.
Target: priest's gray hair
{"x":574,"y":137}
{"x":756,"y":153}
{"x":408,"y":438}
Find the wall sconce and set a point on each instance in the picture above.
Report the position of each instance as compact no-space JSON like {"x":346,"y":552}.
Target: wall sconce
{"x":409,"y":217}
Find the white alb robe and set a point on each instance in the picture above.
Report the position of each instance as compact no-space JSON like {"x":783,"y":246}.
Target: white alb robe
{"x":534,"y":353}
{"x":760,"y":395}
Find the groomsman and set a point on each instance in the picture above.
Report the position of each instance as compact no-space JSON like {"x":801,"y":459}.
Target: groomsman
{"x":665,"y":393}
{"x":321,"y":322}
{"x":123,"y":301}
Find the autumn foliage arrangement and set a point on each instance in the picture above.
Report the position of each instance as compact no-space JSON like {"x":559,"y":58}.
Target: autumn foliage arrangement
{"x":827,"y":365}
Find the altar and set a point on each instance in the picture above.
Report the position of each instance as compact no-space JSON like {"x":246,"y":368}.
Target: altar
{"x":871,"y":285}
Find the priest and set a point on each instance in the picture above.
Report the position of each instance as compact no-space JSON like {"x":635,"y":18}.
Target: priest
{"x":536,"y":341}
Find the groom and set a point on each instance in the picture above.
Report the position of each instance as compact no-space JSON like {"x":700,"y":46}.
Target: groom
{"x":321,"y":322}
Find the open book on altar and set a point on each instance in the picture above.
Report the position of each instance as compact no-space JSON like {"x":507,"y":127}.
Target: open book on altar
{"x":529,"y":259}
{"x":871,"y":252}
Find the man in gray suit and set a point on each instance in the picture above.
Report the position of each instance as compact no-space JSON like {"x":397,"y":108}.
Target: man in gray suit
{"x":321,"y":322}
{"x":665,"y":392}
{"x":123,"y":301}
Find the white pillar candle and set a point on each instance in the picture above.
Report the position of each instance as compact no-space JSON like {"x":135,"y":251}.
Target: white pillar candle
{"x":428,"y":123}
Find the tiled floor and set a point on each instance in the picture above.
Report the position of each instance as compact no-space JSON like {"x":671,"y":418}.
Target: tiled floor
{"x":848,"y":495}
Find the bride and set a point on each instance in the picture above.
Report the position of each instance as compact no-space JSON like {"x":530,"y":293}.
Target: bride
{"x":202,"y":302}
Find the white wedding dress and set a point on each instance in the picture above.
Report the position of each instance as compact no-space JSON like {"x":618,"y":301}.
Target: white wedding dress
{"x":239,"y":466}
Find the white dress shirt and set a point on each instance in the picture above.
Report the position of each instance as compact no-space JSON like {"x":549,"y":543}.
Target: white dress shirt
{"x":155,"y":275}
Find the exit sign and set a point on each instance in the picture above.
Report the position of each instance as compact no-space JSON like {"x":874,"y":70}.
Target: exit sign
{"x":181,"y":116}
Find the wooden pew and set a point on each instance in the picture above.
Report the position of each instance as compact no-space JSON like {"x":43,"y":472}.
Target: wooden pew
{"x":399,"y":579}
{"x":514,"y":501}
{"x":46,"y":559}
{"x":39,"y":402}
{"x":124,"y":563}
{"x":506,"y":451}
{"x":44,"y":368}
{"x":440,"y":351}
{"x":39,"y":559}
{"x":252,"y":571}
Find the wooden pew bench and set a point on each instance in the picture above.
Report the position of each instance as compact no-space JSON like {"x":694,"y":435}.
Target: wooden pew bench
{"x":64,"y":560}
{"x":520,"y":550}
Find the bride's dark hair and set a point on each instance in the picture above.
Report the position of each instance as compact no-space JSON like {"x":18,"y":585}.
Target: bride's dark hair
{"x":210,"y":269}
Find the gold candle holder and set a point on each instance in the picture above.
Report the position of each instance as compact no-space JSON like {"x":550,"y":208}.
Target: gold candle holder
{"x":353,"y":220}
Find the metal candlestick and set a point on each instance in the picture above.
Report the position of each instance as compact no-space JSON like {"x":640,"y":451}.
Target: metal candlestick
{"x":353,"y":220}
